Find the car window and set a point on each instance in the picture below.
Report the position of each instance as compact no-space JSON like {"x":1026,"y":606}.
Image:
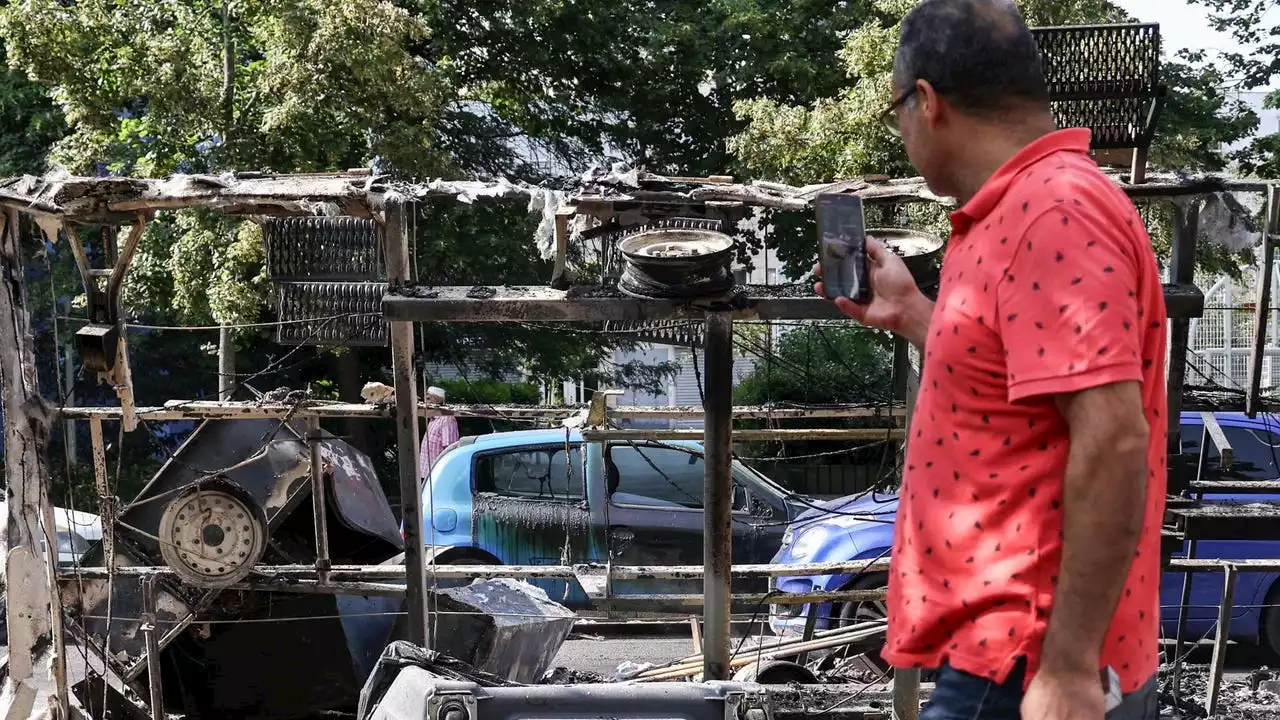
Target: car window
{"x":1255,"y":452}
{"x":655,"y":475}
{"x":532,"y":474}
{"x":71,"y":543}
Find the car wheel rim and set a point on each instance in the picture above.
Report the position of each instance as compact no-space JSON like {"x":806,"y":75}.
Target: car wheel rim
{"x":866,"y":612}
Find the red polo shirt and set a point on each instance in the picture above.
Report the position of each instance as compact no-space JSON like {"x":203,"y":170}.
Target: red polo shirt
{"x":1049,"y":285}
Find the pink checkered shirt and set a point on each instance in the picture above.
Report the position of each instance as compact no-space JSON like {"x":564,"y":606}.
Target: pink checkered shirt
{"x":442,"y":431}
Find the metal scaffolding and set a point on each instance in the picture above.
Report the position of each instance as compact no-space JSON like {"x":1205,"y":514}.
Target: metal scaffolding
{"x":67,"y":203}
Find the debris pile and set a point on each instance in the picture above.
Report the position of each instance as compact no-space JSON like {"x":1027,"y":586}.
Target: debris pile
{"x":1254,"y":698}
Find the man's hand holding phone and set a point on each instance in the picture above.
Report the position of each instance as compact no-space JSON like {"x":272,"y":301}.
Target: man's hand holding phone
{"x":896,"y":304}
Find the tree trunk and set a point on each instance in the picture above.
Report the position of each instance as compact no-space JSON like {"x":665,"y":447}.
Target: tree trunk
{"x":226,"y":364}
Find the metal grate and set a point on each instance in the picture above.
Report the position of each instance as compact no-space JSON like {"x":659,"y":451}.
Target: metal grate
{"x":335,"y":313}
{"x":1105,"y":78}
{"x":684,"y":334}
{"x":323,"y":248}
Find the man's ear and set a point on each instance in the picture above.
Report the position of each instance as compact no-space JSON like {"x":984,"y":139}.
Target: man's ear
{"x":931,"y":108}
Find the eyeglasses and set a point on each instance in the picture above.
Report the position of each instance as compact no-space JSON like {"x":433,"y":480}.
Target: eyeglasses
{"x":890,"y":115}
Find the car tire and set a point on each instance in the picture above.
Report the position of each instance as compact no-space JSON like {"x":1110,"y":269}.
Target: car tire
{"x":852,"y":613}
{"x":1269,"y":633}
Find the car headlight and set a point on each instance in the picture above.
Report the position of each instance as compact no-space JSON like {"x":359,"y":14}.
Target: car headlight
{"x":808,"y":542}
{"x":788,"y":535}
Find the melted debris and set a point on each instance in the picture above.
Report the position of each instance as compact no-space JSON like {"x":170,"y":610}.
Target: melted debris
{"x":593,"y":291}
{"x":570,"y":676}
{"x":1250,"y":699}
{"x":425,"y":292}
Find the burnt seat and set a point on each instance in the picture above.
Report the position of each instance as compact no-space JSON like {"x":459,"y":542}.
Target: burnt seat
{"x":1106,"y":78}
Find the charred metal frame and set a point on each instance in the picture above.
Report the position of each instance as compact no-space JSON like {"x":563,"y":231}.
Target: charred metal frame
{"x":60,"y":203}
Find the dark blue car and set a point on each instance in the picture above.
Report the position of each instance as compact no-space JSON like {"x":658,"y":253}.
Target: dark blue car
{"x":862,"y":528}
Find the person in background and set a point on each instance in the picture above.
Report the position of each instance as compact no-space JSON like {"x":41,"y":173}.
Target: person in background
{"x":442,"y":431}
{"x":1026,"y":556}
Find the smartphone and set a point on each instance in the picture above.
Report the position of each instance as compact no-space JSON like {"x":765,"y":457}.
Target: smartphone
{"x":1111,"y":686}
{"x":842,"y":247}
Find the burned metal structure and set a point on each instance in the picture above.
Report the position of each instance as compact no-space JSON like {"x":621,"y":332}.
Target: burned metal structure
{"x":220,"y":537}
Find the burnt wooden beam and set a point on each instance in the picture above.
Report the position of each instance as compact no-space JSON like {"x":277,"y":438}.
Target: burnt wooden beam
{"x":28,"y":562}
{"x":1262,"y":307}
{"x":112,"y":200}
{"x":596,"y":303}
{"x":264,"y":574}
{"x":1229,"y":520}
{"x":213,"y":410}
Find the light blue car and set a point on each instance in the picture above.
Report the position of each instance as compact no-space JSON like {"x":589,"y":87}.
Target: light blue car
{"x":544,"y":497}
{"x":862,"y":529}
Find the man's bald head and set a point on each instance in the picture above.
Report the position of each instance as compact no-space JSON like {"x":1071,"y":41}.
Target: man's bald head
{"x":977,"y":54}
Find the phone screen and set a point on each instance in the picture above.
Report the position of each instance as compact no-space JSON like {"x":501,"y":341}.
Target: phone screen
{"x":842,"y":247}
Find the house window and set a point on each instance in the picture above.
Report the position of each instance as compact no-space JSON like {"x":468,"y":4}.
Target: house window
{"x":532,"y":474}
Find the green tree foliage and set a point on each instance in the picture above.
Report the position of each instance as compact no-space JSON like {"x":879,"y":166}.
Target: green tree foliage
{"x":29,"y":124}
{"x":153,"y":87}
{"x":817,"y":364}
{"x":840,"y":136}
{"x":655,"y":81}
{"x":1252,"y":24}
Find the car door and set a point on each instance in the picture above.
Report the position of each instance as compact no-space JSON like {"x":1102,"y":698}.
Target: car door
{"x":530,"y":509}
{"x":1256,"y":449}
{"x":655,"y":513}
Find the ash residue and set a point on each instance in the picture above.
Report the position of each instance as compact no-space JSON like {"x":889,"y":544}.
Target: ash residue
{"x":558,"y":516}
{"x":425,"y":292}
{"x":821,"y":699}
{"x":569,"y":676}
{"x":592,"y":291}
{"x":1252,"y":699}
{"x":778,"y":291}
{"x":1234,"y":508}
{"x":284,"y":396}
{"x":481,"y":292}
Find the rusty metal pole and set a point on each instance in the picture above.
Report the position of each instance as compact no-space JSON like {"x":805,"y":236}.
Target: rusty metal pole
{"x":153,"y":648}
{"x":1223,"y":635}
{"x":1262,"y":308}
{"x":27,"y":423}
{"x":319,"y":509}
{"x":906,"y":382}
{"x":397,"y":211}
{"x":717,"y":494}
{"x":1182,"y":270}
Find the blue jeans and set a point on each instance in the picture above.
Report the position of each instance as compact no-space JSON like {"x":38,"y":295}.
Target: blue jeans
{"x":961,"y":696}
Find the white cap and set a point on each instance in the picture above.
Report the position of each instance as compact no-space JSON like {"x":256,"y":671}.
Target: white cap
{"x":437,"y":391}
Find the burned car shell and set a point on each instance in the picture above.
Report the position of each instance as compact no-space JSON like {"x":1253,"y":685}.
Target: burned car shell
{"x":518,"y":498}
{"x":248,"y":653}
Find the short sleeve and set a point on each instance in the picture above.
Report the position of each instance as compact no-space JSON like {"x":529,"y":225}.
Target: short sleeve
{"x":1069,"y":305}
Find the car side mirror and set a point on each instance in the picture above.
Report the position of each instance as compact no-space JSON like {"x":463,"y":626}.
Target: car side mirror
{"x":741,"y":499}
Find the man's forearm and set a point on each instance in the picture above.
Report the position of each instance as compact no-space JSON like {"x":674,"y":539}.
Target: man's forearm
{"x":1104,"y":500}
{"x":914,"y":326}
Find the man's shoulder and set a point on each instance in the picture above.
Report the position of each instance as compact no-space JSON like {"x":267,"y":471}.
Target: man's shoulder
{"x":1072,"y":186}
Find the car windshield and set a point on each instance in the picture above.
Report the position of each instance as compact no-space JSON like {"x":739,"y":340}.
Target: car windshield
{"x":763,"y":479}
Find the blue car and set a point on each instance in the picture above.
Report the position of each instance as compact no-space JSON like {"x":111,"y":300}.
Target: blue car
{"x":544,"y":497}
{"x":861,"y":528}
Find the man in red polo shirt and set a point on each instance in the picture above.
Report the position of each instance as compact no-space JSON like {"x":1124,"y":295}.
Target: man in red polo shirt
{"x":1027,"y":550}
